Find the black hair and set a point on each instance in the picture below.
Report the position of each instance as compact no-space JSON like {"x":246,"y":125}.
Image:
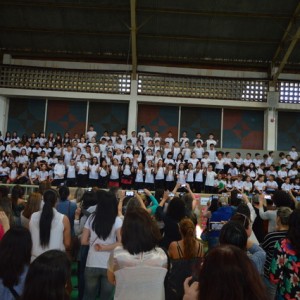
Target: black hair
{"x":282,"y":198}
{"x":89,"y":199}
{"x":15,"y":253}
{"x":50,"y":198}
{"x":234,"y":200}
{"x":214,"y":205}
{"x":47,"y":277}
{"x":105,"y":215}
{"x":16,"y":193}
{"x":234,"y":233}
{"x":244,"y":210}
{"x":176,"y":209}
{"x":158,"y":194}
{"x":64,"y":192}
{"x":140,"y":233}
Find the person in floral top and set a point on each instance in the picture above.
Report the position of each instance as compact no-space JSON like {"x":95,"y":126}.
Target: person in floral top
{"x":285,"y":266}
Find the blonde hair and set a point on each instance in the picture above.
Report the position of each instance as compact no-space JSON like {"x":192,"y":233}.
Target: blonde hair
{"x":187,"y":229}
{"x":33,"y":204}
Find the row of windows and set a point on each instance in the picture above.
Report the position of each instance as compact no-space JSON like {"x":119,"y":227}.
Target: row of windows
{"x":148,"y":84}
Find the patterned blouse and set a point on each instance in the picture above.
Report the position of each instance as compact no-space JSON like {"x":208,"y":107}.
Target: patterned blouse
{"x":285,"y":270}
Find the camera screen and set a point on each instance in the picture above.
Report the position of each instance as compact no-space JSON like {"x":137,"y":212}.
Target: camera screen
{"x":215,"y":225}
{"x":129,"y":193}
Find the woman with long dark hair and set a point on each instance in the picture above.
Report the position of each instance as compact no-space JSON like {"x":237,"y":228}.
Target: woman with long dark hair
{"x":175,"y":213}
{"x":48,"y":276}
{"x":15,"y":252}
{"x":102,"y":232}
{"x":138,"y":267}
{"x":49,"y":228}
{"x":18,"y":203}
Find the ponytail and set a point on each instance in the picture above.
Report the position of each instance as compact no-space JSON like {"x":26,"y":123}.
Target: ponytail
{"x":50,"y":197}
{"x":187,"y":229}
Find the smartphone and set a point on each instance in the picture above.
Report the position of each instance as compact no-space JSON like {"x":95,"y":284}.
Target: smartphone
{"x":239,"y":196}
{"x":215,"y":226}
{"x":183,"y":185}
{"x":129,"y":193}
{"x":171,"y":195}
{"x":298,"y":198}
{"x":141,"y":191}
{"x":268,"y":197}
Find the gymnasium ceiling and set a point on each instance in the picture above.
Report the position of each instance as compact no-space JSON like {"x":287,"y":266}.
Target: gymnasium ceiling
{"x":235,"y":34}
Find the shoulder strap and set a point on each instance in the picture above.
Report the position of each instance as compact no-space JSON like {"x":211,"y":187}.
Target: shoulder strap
{"x":15,"y":294}
{"x":199,"y":248}
{"x":179,"y":251}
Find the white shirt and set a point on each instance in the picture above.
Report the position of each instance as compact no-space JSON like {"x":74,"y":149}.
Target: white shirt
{"x":91,"y":134}
{"x":99,"y":259}
{"x":56,"y":233}
{"x":71,"y":171}
{"x":94,"y":171}
{"x":59,"y":171}
{"x":210,"y":178}
{"x":82,"y":166}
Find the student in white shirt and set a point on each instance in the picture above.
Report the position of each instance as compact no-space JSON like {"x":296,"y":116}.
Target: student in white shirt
{"x":59,"y":172}
{"x":287,"y":186}
{"x":170,"y":174}
{"x":271,"y":184}
{"x":149,"y":176}
{"x":190,"y":173}
{"x":239,"y":184}
{"x":247,"y":185}
{"x":198,"y":149}
{"x":71,"y":173}
{"x":94,"y":172}
{"x":91,"y":133}
{"x":293,"y":153}
{"x":186,"y":151}
{"x":219,"y":168}
{"x":183,"y":139}
{"x":170,"y":139}
{"x":259,"y":185}
{"x":198,"y":182}
{"x":210,"y":141}
{"x":82,"y":167}
{"x":43,"y":174}
{"x":210,"y":179}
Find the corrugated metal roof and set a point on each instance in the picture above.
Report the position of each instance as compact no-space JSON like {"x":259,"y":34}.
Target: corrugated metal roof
{"x":212,"y":32}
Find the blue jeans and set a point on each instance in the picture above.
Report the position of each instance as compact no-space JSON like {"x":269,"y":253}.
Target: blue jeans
{"x":96,"y":280}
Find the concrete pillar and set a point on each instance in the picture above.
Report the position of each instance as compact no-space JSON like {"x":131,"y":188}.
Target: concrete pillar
{"x":271,"y":120}
{"x":271,"y":129}
{"x":4,"y":105}
{"x":133,"y":109}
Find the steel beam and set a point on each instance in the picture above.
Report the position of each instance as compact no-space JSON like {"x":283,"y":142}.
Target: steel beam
{"x":133,"y":30}
{"x":287,"y":54}
{"x":287,"y":36}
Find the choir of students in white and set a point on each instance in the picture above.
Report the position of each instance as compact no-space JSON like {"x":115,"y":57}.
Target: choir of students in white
{"x":142,"y":161}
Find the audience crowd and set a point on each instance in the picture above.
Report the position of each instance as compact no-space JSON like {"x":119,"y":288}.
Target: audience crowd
{"x":141,"y":231}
